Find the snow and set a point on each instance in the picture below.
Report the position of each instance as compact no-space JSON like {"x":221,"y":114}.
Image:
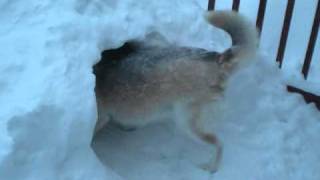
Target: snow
{"x":48,"y":108}
{"x":267,"y":134}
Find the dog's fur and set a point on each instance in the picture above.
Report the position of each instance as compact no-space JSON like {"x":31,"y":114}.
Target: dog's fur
{"x":148,"y":77}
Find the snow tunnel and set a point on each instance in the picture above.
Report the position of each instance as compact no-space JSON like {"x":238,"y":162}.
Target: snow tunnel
{"x":165,"y":151}
{"x":134,"y":149}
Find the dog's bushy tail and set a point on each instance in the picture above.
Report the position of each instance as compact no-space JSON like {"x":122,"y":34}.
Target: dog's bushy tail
{"x":243,"y":33}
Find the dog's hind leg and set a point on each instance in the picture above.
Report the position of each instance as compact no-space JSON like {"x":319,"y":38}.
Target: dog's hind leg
{"x":195,"y":125}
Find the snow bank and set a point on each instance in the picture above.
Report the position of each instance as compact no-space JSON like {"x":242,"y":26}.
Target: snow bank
{"x":45,"y":70}
{"x":267,"y":133}
{"x":47,"y":100}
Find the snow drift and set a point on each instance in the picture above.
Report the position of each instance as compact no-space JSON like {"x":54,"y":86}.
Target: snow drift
{"x":48,"y":108}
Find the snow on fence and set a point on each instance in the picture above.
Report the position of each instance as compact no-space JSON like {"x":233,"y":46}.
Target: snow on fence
{"x":309,"y":97}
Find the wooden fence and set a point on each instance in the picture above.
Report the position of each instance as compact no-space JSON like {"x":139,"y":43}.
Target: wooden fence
{"x":309,"y":97}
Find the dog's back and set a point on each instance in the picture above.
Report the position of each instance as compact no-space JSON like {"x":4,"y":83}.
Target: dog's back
{"x":151,"y":77}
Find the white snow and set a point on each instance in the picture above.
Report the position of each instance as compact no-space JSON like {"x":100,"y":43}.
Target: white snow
{"x":48,"y":108}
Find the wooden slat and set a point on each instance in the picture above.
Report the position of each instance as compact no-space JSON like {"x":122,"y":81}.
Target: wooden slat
{"x":285,"y":31}
{"x":308,"y":97}
{"x":260,"y":16}
{"x":236,"y":5}
{"x":211,"y":5}
{"x":312,"y":42}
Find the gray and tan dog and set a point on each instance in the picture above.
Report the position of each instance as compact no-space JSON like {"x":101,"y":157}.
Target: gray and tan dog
{"x":148,"y":78}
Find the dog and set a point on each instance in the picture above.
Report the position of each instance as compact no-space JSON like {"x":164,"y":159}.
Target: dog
{"x":146,"y":77}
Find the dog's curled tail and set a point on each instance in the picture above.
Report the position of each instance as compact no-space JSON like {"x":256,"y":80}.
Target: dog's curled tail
{"x":243,"y":33}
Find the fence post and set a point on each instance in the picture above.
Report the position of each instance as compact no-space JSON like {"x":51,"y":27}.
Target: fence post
{"x":285,"y":31}
{"x":312,"y":42}
{"x":260,"y":15}
{"x":211,"y":5}
{"x":236,"y":5}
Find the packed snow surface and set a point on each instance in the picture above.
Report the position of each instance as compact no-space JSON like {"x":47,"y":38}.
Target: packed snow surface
{"x":48,"y":108}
